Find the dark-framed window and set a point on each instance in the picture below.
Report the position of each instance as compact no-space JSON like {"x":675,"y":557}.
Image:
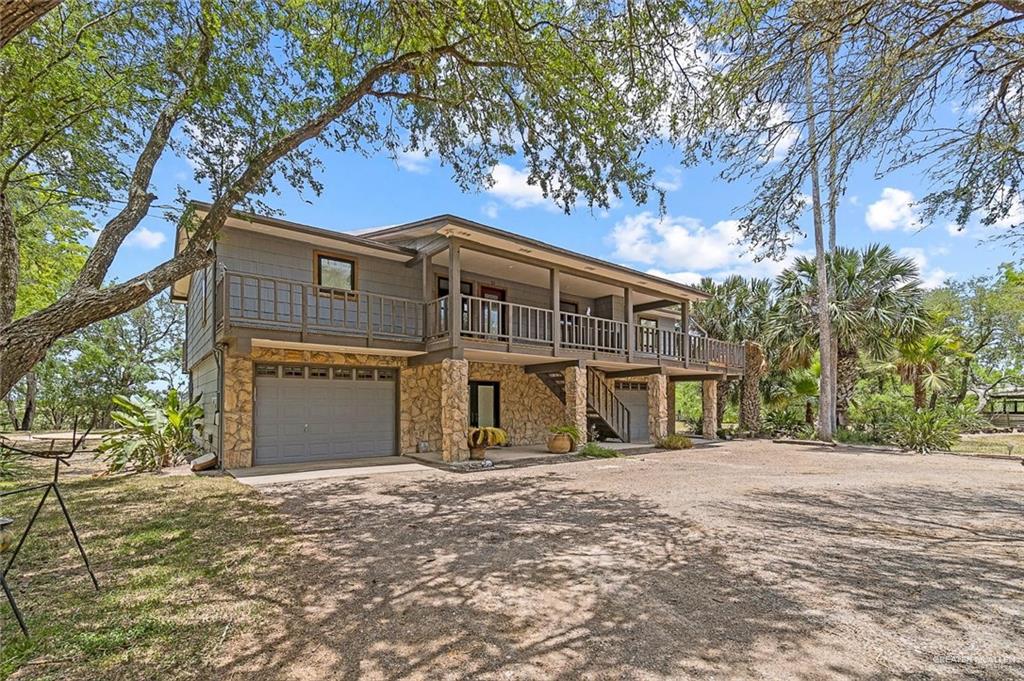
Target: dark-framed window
{"x":569,"y":306}
{"x":484,"y":404}
{"x":442,"y":287}
{"x":335,"y":272}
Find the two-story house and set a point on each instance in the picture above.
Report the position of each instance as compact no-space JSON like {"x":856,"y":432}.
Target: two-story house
{"x":309,"y":344}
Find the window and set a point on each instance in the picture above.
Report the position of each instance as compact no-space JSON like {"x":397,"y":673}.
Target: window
{"x":343,"y":374}
{"x":293,"y":372}
{"x":385,"y":374}
{"x":568,"y":306}
{"x":319,"y":372}
{"x":364,"y":374}
{"x":649,"y":323}
{"x":335,"y":272}
{"x":266,"y":370}
{"x":442,"y":287}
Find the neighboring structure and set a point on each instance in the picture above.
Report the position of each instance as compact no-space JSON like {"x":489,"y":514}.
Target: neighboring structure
{"x":1005,"y":407}
{"x":309,"y":344}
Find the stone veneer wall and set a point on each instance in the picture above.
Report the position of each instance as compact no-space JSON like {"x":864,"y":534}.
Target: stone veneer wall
{"x":657,"y":406}
{"x":576,"y":400}
{"x":454,"y":409}
{"x":421,"y":407}
{"x":528,"y":407}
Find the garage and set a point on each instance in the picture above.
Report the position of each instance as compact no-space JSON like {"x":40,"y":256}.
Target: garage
{"x":634,"y":396}
{"x":311,"y":413}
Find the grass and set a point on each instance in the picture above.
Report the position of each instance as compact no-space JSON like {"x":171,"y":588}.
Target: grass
{"x":995,"y":443}
{"x":596,"y":451}
{"x":178,"y":559}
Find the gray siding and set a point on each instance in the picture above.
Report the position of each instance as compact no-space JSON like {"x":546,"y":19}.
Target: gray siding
{"x":249,"y":253}
{"x":201,"y":323}
{"x":205,"y":383}
{"x":515,"y":292}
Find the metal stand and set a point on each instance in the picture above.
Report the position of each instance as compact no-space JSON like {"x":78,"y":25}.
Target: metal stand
{"x":59,"y":459}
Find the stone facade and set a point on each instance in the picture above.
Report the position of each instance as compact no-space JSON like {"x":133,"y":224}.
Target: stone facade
{"x":657,"y":406}
{"x":454,"y":409}
{"x":576,"y":399}
{"x":421,"y":408}
{"x":236,"y":447}
{"x":528,"y":408}
{"x":709,"y":408}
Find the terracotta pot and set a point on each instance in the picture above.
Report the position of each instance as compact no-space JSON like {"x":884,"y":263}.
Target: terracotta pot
{"x":559,"y":443}
{"x":477,"y":452}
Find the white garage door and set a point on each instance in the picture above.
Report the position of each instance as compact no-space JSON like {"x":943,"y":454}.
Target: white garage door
{"x":634,"y":396}
{"x":318,"y":413}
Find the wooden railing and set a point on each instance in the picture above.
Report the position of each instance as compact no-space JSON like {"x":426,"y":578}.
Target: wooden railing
{"x":582,"y":332}
{"x":602,"y":399}
{"x":499,"y":320}
{"x":269,"y":302}
{"x":274,"y":303}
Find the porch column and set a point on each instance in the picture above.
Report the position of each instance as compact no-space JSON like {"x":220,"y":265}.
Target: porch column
{"x":454,"y":409}
{"x":237,"y":445}
{"x":428,"y":292}
{"x":671,"y":401}
{"x":709,"y":408}
{"x":657,"y":406}
{"x":576,"y":398}
{"x":684,"y":321}
{"x":750,"y":388}
{"x":556,"y":307}
{"x":454,"y":293}
{"x":630,"y":334}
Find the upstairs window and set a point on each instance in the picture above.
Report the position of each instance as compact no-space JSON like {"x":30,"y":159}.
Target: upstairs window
{"x":334,"y":272}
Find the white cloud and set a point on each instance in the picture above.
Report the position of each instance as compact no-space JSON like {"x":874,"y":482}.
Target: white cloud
{"x":671,"y":181}
{"x":683,"y":248}
{"x":894,"y":210}
{"x":513,"y":187}
{"x":930,"y":278}
{"x":1014,"y":217}
{"x":954,"y":229}
{"x":490,"y":209}
{"x":413,"y":160}
{"x":782,"y":127}
{"x":146,"y":238}
{"x":854,"y":200}
{"x":688,"y":278}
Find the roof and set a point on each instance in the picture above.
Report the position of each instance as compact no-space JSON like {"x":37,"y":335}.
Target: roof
{"x":381,"y":242}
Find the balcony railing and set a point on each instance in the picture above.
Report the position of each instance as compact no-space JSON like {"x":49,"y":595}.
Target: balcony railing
{"x":282,"y":304}
{"x":268,"y":302}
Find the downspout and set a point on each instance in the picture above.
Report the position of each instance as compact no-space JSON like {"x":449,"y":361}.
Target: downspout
{"x":218,"y":358}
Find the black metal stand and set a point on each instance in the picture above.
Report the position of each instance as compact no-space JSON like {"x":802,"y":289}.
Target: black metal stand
{"x":53,"y":485}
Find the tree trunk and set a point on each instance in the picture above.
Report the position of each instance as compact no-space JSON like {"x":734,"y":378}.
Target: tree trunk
{"x":847,"y":373}
{"x":826,"y":403}
{"x":31,"y":391}
{"x":961,"y":392}
{"x":12,"y":413}
{"x":808,"y":413}
{"x":933,"y":401}
{"x":920,"y":395}
{"x":17,"y":15}
{"x":722,"y":401}
{"x":10,"y":263}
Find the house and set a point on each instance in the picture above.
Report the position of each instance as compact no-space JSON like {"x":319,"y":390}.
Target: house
{"x":309,"y":344}
{"x":1004,"y":407}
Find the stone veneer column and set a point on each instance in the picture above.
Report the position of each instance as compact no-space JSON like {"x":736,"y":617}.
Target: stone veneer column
{"x":657,"y":406}
{"x":236,"y":449}
{"x":750,"y":393}
{"x":576,"y":398}
{"x":709,"y":408}
{"x":454,"y":409}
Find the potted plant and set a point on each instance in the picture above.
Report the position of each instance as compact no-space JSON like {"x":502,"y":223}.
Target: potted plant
{"x":564,"y":438}
{"x":481,"y":438}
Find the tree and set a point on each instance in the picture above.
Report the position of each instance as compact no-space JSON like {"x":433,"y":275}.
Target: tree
{"x":877,"y":303}
{"x":576,"y":88}
{"x":921,"y":362}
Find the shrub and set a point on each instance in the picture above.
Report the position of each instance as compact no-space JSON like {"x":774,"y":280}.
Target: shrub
{"x":151,"y":436}
{"x":923,"y":431}
{"x":675,"y":441}
{"x":787,"y":421}
{"x":596,"y":451}
{"x":11,"y":466}
{"x":569,"y":429}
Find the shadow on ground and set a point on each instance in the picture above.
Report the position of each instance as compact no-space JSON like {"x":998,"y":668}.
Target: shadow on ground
{"x":510,"y":578}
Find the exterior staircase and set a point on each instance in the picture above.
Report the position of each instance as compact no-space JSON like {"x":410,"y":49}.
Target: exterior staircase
{"x":607,"y":416}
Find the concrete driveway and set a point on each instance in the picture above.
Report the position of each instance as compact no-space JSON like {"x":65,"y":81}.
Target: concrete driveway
{"x":746,"y":560}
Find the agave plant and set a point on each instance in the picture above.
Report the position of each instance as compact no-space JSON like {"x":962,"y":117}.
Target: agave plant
{"x":487,"y":436}
{"x":151,"y":436}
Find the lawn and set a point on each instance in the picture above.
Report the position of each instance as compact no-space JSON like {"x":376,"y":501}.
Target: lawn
{"x":176,"y":557}
{"x":995,"y":443}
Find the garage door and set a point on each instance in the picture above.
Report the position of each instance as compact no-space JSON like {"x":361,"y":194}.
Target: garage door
{"x":307,"y":413}
{"x":634,"y":396}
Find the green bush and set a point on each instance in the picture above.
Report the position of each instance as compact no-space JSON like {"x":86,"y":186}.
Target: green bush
{"x":924,"y":431}
{"x":151,"y":436}
{"x":596,"y":451}
{"x":675,"y":441}
{"x":785,"y":422}
{"x":11,"y":466}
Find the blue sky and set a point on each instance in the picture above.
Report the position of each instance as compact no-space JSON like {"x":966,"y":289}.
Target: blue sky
{"x":695,"y":237}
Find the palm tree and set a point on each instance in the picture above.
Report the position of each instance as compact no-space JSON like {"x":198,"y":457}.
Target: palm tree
{"x":877,"y":303}
{"x":921,"y":363}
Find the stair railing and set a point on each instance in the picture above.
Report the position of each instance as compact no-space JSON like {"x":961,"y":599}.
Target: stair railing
{"x":609,"y":407}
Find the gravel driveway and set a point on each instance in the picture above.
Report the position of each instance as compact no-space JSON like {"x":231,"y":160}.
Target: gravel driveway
{"x":742,"y":560}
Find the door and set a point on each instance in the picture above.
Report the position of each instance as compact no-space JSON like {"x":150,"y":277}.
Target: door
{"x":318,"y":413}
{"x":492,"y":314}
{"x":634,"y":396}
{"x":484,"y":404}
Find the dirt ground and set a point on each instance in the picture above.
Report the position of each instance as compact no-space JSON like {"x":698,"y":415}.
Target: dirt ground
{"x":745,"y":560}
